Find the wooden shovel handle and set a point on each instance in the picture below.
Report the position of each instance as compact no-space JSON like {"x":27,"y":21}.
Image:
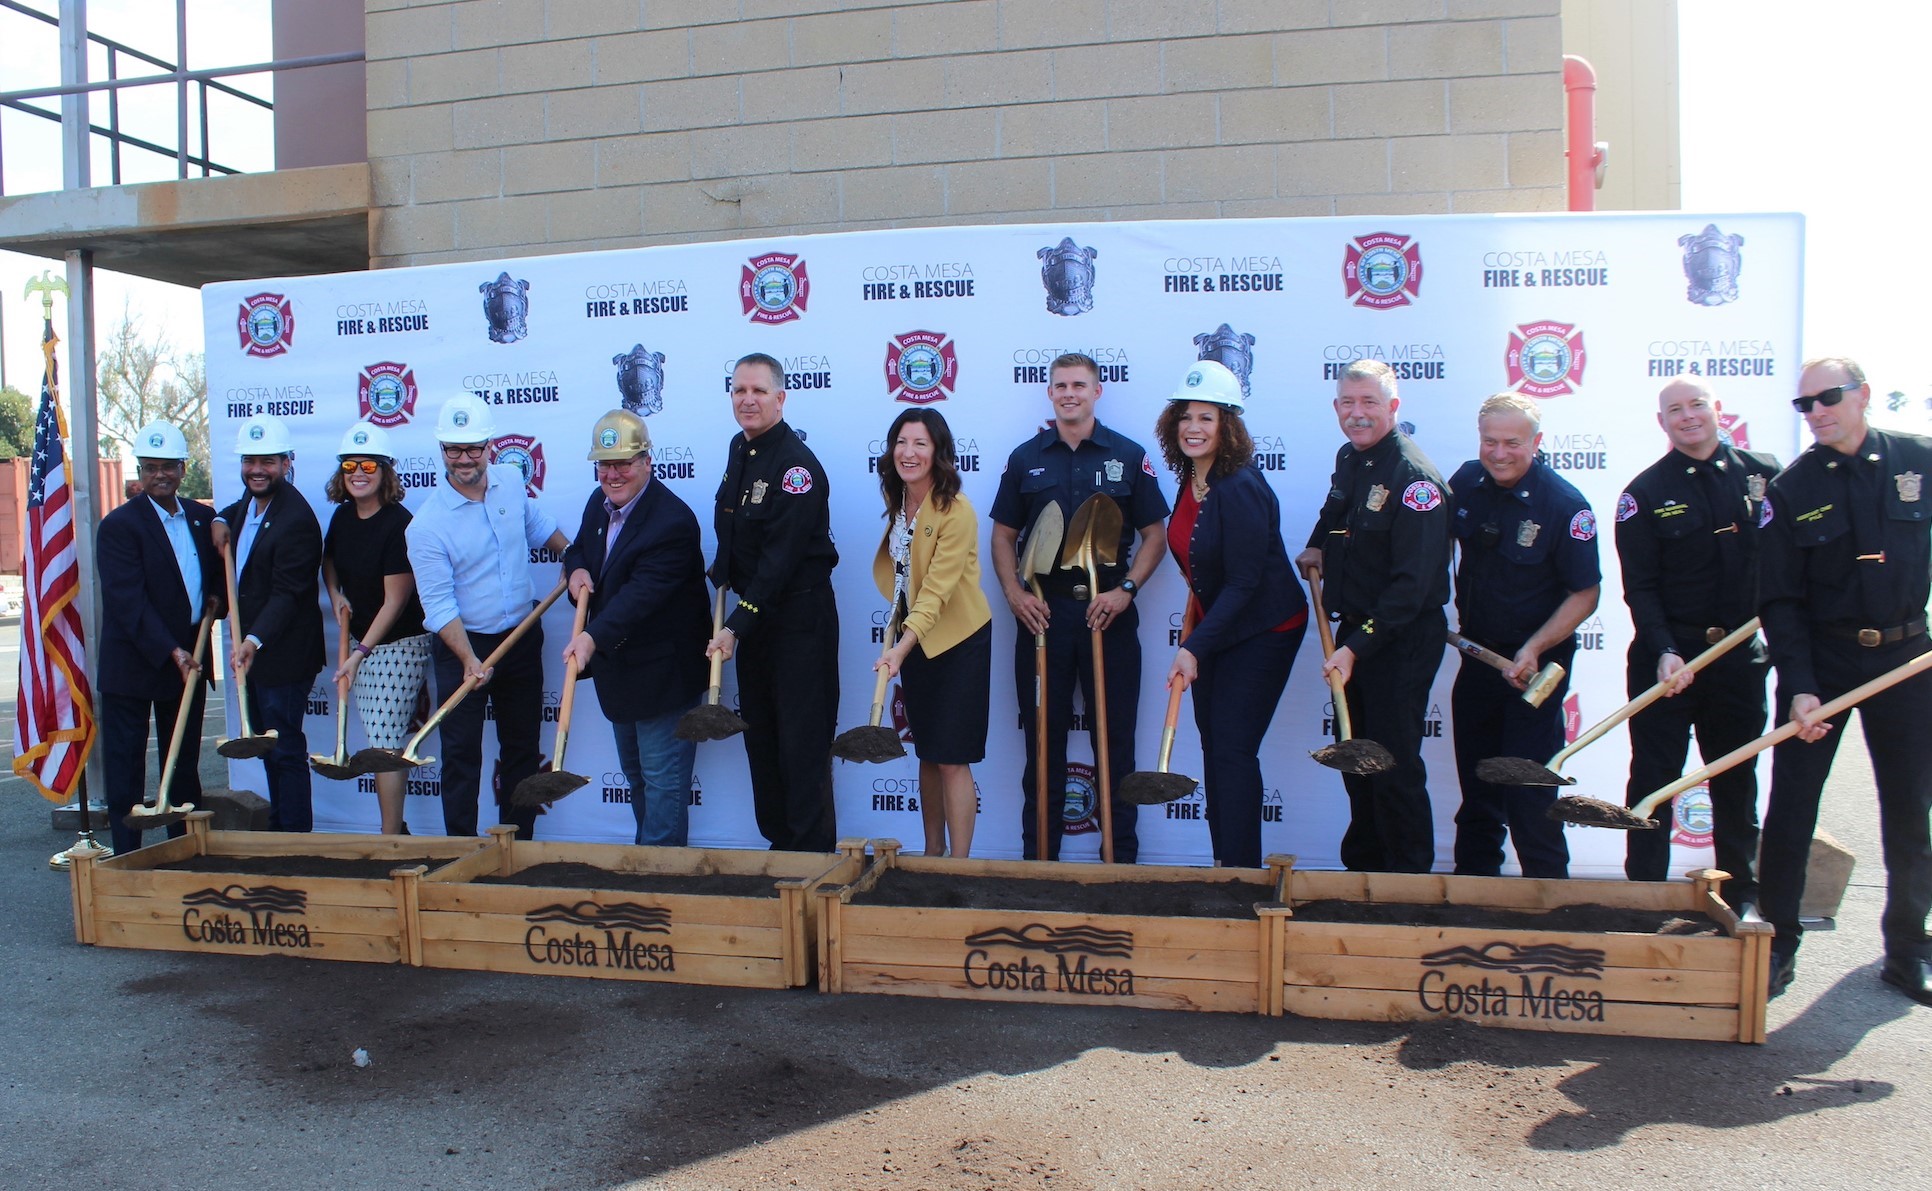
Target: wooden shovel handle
{"x":1344,"y":730}
{"x":1742,"y":633}
{"x":885,"y":676}
{"x":234,"y":631}
{"x":569,"y":701}
{"x":716,"y":692}
{"x":202,"y":632}
{"x":496,"y":655}
{"x":1173,"y":720}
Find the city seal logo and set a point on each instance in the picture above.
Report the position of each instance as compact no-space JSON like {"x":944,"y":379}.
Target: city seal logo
{"x":773,"y":288}
{"x":506,"y":303}
{"x":640,"y":379}
{"x":523,"y":453}
{"x":155,"y":440}
{"x":1583,"y":526}
{"x":1711,"y":265}
{"x":796,"y":482}
{"x":1626,"y":507}
{"x":921,"y":367}
{"x":1382,"y":271}
{"x":1081,"y":810}
{"x":1545,"y":359}
{"x":386,"y":394}
{"x":1733,"y":431}
{"x":1422,"y":496}
{"x":1229,"y":347}
{"x":1695,"y":820}
{"x":267,"y":325}
{"x":1066,"y":269}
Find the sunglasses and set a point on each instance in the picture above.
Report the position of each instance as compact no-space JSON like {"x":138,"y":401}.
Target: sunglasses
{"x":367,"y":467}
{"x":1827,"y":398}
{"x":454,"y":452}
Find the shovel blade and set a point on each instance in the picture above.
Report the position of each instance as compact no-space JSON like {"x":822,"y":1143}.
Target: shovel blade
{"x":542,"y":789}
{"x":1594,"y":812}
{"x":329,"y":767}
{"x":245,"y":747}
{"x":708,"y":721}
{"x":1152,"y":787}
{"x":868,"y":742}
{"x":1520,"y":771}
{"x":385,"y":761}
{"x":1355,"y":756}
{"x":147,"y":818}
{"x":1043,"y":542}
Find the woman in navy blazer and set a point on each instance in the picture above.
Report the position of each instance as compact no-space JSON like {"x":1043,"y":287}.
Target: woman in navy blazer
{"x":1247,"y":611}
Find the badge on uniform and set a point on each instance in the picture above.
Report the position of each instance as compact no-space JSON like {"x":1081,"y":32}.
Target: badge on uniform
{"x":1526,"y":533}
{"x":1908,"y":486}
{"x":1377,"y":497}
{"x":1764,"y":513}
{"x":1583,"y":526}
{"x":1754,"y":487}
{"x":758,"y":492}
{"x":1422,"y":496}
{"x":1626,"y":507}
{"x":796,"y":482}
{"x":1115,"y":471}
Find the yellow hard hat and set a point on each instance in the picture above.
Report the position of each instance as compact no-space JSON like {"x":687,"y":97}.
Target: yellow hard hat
{"x":619,"y":434}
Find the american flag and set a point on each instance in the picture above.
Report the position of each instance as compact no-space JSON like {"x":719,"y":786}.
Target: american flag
{"x":54,"y":711}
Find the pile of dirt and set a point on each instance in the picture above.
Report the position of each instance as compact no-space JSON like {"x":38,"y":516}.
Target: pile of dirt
{"x":1567,"y":919}
{"x":302,"y":866}
{"x":575,"y":875}
{"x":1168,"y":899}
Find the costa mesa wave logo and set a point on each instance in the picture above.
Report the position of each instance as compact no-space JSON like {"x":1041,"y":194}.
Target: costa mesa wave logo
{"x":267,"y":325}
{"x":1382,"y":270}
{"x":386,"y":393}
{"x":587,"y":934}
{"x":773,"y":288}
{"x":523,"y":453}
{"x":247,"y":916}
{"x":1545,"y":359}
{"x":921,"y":367}
{"x":1457,"y":981}
{"x":1005,"y":958}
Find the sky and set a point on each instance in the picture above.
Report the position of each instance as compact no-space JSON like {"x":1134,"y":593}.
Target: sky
{"x":1785,"y":106}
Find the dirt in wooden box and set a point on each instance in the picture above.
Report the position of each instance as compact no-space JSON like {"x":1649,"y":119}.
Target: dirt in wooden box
{"x":1158,"y":899}
{"x":574,"y":875}
{"x":362,"y":868}
{"x":1595,"y":920}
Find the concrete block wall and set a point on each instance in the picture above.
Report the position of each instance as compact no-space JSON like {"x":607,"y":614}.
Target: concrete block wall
{"x":507,"y":127}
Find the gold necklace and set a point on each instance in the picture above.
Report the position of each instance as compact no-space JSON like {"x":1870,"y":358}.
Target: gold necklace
{"x":1200,"y":487}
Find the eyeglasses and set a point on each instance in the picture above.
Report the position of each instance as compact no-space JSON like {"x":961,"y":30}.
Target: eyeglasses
{"x":459,"y":452}
{"x":619,"y":464}
{"x":367,"y":467}
{"x":1827,"y":398}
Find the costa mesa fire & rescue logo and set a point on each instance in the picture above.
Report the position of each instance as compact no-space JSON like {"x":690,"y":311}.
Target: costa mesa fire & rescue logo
{"x":267,"y":325}
{"x":1382,"y":270}
{"x":386,"y":393}
{"x":1545,"y":359}
{"x":921,"y":367}
{"x":773,"y":288}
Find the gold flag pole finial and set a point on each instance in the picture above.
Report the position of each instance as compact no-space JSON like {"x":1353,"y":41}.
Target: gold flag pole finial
{"x":46,"y":285}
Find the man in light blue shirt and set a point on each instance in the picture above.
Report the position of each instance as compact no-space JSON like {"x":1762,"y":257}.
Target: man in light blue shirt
{"x":470,"y":547}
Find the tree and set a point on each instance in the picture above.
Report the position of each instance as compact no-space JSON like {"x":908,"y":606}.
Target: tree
{"x":16,"y":423}
{"x":145,"y":379}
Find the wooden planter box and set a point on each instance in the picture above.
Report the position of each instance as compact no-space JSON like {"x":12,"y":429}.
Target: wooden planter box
{"x":694,"y":937}
{"x":1654,"y":985}
{"x":1065,"y":957}
{"x":129,"y":901}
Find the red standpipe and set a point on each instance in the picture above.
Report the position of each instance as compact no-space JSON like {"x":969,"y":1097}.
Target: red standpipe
{"x":1586,"y":156}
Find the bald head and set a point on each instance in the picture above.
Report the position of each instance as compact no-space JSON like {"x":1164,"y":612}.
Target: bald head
{"x":1688,"y":411}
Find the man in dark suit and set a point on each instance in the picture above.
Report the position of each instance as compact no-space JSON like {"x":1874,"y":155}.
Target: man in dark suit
{"x":162,"y":570}
{"x":636,"y":559}
{"x":277,"y":545}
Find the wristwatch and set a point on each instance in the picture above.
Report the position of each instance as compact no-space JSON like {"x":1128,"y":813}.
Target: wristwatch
{"x":1130,"y":587}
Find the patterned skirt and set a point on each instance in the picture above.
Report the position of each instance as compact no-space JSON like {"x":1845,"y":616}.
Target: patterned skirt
{"x":387,"y":685}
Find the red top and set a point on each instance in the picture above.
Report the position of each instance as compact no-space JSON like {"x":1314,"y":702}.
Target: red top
{"x":1180,"y":530}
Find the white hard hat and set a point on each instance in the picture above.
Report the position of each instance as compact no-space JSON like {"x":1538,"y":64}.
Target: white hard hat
{"x":1212,"y":382}
{"x":263,"y":434}
{"x":367,"y":440}
{"x":464,"y":419}
{"x":160,"y":440}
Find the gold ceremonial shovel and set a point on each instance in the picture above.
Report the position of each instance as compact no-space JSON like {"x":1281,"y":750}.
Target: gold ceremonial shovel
{"x":1093,"y":541}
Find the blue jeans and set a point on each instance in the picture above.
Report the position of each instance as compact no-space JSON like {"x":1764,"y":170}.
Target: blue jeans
{"x":281,"y":708}
{"x":658,"y":766}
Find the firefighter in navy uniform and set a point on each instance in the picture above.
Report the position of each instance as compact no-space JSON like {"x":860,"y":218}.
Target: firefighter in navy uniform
{"x":775,"y":553}
{"x":1068,"y":462}
{"x":1845,"y":567}
{"x":1381,"y":545}
{"x":1687,"y":540}
{"x":1527,"y":578}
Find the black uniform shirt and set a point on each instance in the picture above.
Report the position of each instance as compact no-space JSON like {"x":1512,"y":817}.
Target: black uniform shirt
{"x":1384,"y":537}
{"x":1524,"y":551}
{"x":1043,"y":469}
{"x":1847,"y":545}
{"x":774,"y":524}
{"x":1687,"y":540}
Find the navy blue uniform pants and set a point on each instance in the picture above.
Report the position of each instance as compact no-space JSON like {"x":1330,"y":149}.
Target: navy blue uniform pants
{"x":1725,"y":704}
{"x":1895,"y":723}
{"x":283,"y":708}
{"x":514,"y":699}
{"x":788,"y":694}
{"x":1491,"y":720}
{"x":124,"y":757}
{"x":1070,"y":660}
{"x":1391,"y":828}
{"x":1234,"y":701}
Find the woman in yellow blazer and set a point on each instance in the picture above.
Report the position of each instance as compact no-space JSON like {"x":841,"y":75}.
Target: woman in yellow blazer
{"x":928,"y":566}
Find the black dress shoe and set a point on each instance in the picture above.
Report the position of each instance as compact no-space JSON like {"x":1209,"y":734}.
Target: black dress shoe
{"x":1783,"y":969}
{"x":1909,"y":975}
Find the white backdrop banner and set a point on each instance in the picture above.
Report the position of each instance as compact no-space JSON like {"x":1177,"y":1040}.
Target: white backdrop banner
{"x":1590,"y":314}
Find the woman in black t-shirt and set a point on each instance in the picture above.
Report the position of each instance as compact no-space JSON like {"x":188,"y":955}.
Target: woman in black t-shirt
{"x":372,"y":590}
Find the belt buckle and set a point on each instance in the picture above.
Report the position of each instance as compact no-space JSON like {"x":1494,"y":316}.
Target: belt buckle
{"x":1713,"y":635}
{"x":1871,"y":638}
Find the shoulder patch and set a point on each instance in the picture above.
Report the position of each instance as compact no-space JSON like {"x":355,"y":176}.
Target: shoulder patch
{"x":1147,"y":465}
{"x":1626,"y":507}
{"x":1583,"y":526}
{"x":1422,"y":496}
{"x":1764,"y":513}
{"x":796,"y":482}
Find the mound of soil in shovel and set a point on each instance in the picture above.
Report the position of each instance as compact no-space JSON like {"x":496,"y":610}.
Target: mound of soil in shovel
{"x":301,"y":866}
{"x":574,"y":875}
{"x":1170,"y":899}
{"x":1567,"y":919}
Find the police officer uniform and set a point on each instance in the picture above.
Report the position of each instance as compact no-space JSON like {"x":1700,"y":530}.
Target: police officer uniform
{"x":1524,"y":551}
{"x":1384,"y":537}
{"x":1039,"y":471}
{"x":775,"y":553}
{"x":1687,"y":541}
{"x":1845,"y":570}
